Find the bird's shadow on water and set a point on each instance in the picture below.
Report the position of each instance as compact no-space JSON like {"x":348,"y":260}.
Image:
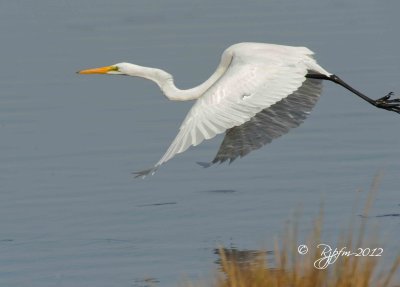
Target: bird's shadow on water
{"x":240,"y":257}
{"x":394,"y":214}
{"x":381,"y":215}
{"x":6,"y":240}
{"x":389,"y":215}
{"x":145,"y":282}
{"x":157,"y":204}
{"x":219,"y":190}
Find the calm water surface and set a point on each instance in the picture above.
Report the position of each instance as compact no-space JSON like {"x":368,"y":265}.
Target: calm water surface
{"x":70,"y":212}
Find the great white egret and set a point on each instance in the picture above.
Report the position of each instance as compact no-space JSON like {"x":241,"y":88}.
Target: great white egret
{"x":257,"y":93}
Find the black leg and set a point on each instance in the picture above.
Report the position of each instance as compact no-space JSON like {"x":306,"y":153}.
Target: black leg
{"x":383,"y":103}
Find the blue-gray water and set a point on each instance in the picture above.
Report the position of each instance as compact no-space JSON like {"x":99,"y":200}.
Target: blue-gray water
{"x":71,"y":213}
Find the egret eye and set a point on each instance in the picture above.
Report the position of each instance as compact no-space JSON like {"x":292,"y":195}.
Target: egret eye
{"x":114,"y":68}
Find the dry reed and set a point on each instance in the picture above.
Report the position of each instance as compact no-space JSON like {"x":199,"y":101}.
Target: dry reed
{"x":290,"y":269}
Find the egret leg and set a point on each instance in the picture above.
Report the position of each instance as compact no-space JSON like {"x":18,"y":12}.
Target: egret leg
{"x":385,"y":102}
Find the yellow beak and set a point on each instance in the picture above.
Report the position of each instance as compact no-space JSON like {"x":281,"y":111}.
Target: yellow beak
{"x":101,"y":70}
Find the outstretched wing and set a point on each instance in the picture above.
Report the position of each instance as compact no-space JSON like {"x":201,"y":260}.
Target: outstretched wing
{"x":270,"y":123}
{"x":253,"y":82}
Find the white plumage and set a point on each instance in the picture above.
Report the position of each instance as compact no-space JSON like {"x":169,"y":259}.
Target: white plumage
{"x":257,"y":76}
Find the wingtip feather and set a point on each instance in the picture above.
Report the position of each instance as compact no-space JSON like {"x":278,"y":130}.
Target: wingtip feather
{"x":205,"y":164}
{"x":143,"y":173}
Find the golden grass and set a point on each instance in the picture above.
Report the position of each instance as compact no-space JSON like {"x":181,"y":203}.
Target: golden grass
{"x":290,"y":269}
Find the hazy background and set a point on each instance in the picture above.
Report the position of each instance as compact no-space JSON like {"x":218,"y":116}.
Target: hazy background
{"x":71,"y":213}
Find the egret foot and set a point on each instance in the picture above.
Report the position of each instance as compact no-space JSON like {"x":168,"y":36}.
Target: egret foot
{"x":388,"y":104}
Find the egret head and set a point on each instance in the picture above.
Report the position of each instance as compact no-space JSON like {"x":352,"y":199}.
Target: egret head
{"x":116,"y":69}
{"x":156,"y":75}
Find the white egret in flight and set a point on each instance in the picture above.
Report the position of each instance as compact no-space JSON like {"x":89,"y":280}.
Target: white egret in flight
{"x":257,"y":93}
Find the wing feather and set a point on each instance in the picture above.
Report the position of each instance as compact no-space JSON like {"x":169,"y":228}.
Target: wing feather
{"x":270,"y":123}
{"x":252,"y":83}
